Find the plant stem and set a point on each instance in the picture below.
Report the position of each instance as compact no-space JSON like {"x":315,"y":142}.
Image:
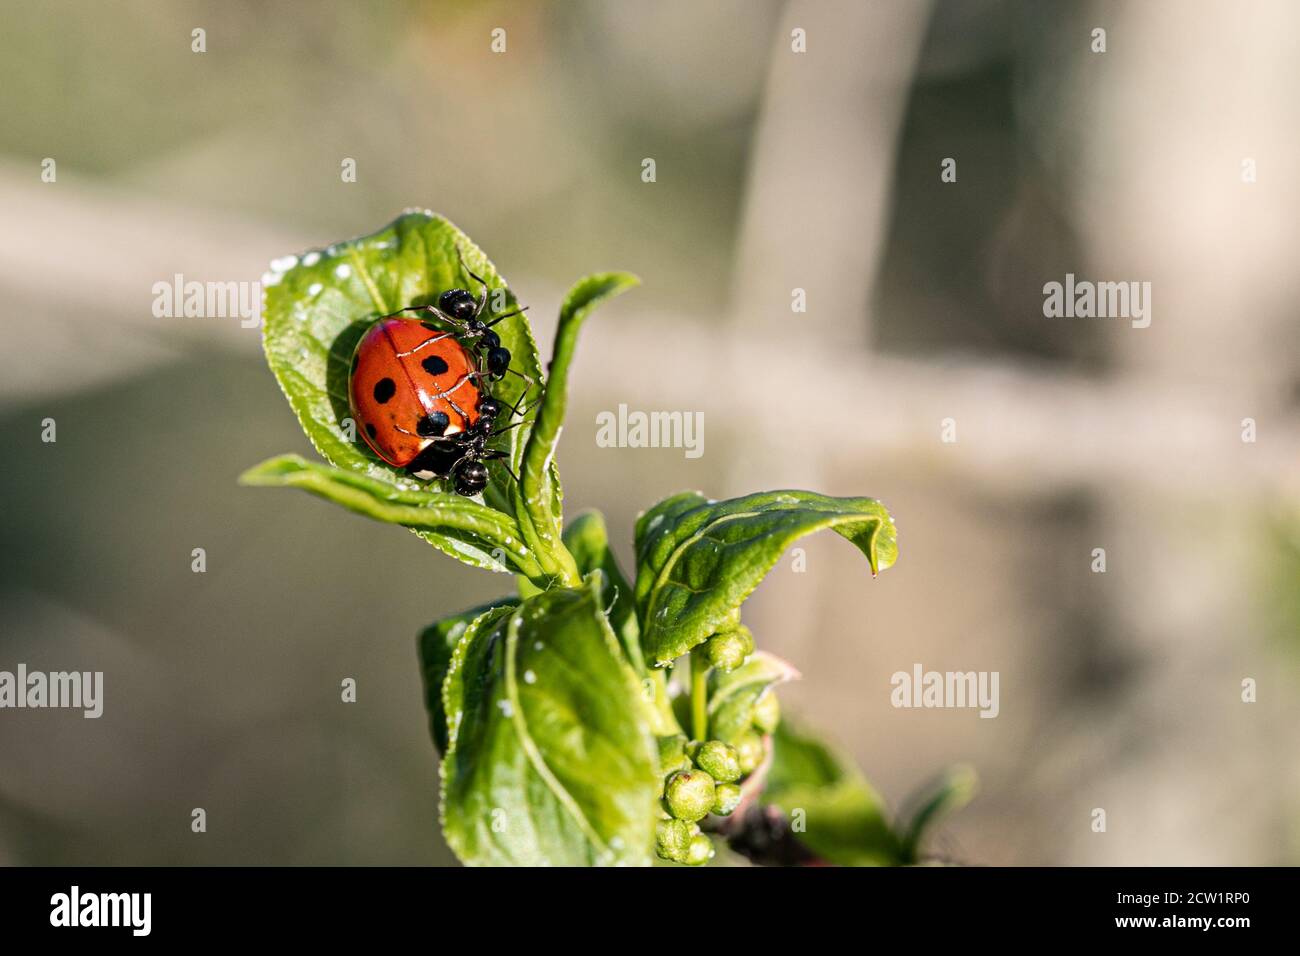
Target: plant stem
{"x":699,"y":694}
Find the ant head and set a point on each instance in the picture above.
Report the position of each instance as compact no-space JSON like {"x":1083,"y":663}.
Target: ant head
{"x":469,"y":476}
{"x":488,"y":408}
{"x":459,"y":304}
{"x":498,"y":361}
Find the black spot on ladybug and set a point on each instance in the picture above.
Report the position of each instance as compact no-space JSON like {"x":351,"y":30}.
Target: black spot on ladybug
{"x":370,"y":430}
{"x":434,"y":365}
{"x":385,"y":389}
{"x":432,"y":425}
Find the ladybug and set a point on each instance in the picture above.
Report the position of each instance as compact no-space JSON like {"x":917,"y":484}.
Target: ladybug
{"x":412,"y":383}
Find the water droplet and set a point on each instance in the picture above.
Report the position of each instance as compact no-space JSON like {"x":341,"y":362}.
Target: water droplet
{"x":530,"y":677}
{"x":343,"y":270}
{"x":284,"y":263}
{"x":537,"y":645}
{"x":506,"y":707}
{"x":311,"y":258}
{"x":314,"y":288}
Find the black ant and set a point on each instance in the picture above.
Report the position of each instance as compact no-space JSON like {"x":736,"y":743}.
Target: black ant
{"x":460,"y":309}
{"x":461,"y":456}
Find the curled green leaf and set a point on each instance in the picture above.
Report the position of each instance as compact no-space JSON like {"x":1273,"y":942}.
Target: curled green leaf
{"x":540,"y":492}
{"x":457,"y":526}
{"x":697,"y":560}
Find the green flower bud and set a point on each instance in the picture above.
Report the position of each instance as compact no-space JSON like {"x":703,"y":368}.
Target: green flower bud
{"x":750,"y":750}
{"x":728,"y":651}
{"x":767,"y":713}
{"x":672,"y":753}
{"x":748,"y":636}
{"x":719,"y":761}
{"x":689,"y":794}
{"x":673,"y":840}
{"x":700,"y":851}
{"x":726,"y":797}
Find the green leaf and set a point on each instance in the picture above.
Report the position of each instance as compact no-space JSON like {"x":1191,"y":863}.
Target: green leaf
{"x":541,"y":493}
{"x":437,"y":644}
{"x":551,"y":758}
{"x":318,"y":305}
{"x":954,"y":788}
{"x":844,"y":819}
{"x":458,"y":526}
{"x":732,"y":696}
{"x":697,"y":560}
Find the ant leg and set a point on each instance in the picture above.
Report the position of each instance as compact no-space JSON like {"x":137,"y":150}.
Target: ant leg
{"x":531,"y":381}
{"x":437,"y":313}
{"x":483,"y":298}
{"x":514,"y":410}
{"x":506,"y":428}
{"x":495,"y":455}
{"x":522,"y":421}
{"x":446,"y":396}
{"x":429,"y":341}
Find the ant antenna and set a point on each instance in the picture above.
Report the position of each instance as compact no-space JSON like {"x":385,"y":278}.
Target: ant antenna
{"x":508,"y":315}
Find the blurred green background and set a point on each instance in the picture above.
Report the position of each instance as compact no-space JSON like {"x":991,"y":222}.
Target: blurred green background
{"x":775,"y":171}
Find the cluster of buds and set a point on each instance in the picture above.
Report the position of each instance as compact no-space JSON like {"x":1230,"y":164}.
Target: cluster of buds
{"x":703,"y":777}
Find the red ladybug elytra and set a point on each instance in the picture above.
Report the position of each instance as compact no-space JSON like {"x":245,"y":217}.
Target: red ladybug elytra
{"x":411,"y":382}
